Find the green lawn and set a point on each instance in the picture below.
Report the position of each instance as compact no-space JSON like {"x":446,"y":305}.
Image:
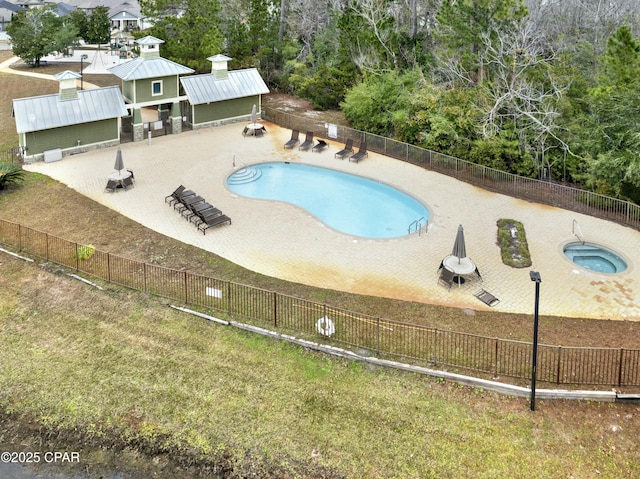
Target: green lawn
{"x":123,"y":368}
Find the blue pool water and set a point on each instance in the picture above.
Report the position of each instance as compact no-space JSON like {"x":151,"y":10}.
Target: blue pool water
{"x":348,"y":203}
{"x":595,"y":258}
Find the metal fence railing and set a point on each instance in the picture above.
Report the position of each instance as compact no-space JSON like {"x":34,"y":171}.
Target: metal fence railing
{"x":12,"y":155}
{"x":546,"y":192}
{"x":576,"y":366}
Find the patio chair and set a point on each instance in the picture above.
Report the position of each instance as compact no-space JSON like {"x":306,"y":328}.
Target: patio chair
{"x":447,"y":277}
{"x":210,"y":222}
{"x":308,"y":142}
{"x":487,"y":298}
{"x":348,"y":148}
{"x":320,"y":146}
{"x":258,"y":132}
{"x":294,"y":140}
{"x":174,"y":196}
{"x":362,"y":152}
{"x":132,"y":176}
{"x":111,"y":186}
{"x":127,"y":182}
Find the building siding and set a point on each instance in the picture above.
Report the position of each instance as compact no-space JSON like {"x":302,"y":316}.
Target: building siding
{"x":68,"y":136}
{"x":223,"y":110}
{"x":169,"y":90}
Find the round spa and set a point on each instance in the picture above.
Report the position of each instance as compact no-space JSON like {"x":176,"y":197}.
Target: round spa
{"x":595,"y":257}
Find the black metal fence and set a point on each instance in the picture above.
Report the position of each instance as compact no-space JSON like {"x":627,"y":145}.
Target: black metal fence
{"x":12,"y":155}
{"x":386,"y":338}
{"x":546,"y":192}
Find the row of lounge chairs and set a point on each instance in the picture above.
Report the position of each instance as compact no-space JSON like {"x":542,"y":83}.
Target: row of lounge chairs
{"x":308,"y":143}
{"x":195,"y":209}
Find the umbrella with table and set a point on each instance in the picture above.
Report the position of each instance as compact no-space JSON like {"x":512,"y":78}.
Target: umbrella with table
{"x":121,"y":176}
{"x":458,"y":262}
{"x":254,"y":128}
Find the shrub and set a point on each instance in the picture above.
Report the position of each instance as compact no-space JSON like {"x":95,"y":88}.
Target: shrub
{"x":10,"y":174}
{"x":84,"y":252}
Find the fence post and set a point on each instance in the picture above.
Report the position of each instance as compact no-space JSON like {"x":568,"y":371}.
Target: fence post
{"x":144,"y":277}
{"x":109,"y":267}
{"x":77,"y":260}
{"x":19,"y":237}
{"x":186,"y":289}
{"x":275,"y":309}
{"x":495,"y":363}
{"x":228,"y":297}
{"x":378,"y":336}
{"x":558,"y":365}
{"x":435,"y":346}
{"x":620,"y":366}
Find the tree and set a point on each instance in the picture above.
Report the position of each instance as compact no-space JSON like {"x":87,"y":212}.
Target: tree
{"x":614,"y":118}
{"x":465,"y":25}
{"x":98,"y":26}
{"x":80,"y":20}
{"x":190,"y":30}
{"x":37,"y":32}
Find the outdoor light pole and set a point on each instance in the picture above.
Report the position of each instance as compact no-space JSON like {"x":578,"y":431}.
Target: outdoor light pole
{"x":535,"y":277}
{"x":83,"y":57}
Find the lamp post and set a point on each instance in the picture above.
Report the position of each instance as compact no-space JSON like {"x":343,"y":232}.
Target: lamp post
{"x":535,"y":277}
{"x":83,"y":57}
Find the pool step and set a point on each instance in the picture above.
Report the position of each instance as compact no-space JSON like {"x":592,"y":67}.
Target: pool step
{"x":244,"y":175}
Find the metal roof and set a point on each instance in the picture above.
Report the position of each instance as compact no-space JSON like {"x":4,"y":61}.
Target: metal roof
{"x":239,"y":83}
{"x":49,"y":111}
{"x":142,"y":68}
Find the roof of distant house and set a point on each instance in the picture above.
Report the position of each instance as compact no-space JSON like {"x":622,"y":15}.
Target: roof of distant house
{"x":11,"y":6}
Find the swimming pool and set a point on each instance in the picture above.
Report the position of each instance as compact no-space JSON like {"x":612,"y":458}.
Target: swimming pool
{"x":595,"y":258}
{"x":348,"y":203}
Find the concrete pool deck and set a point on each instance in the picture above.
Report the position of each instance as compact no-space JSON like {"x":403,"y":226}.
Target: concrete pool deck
{"x":286,"y":242}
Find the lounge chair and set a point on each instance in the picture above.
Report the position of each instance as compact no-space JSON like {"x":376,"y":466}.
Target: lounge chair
{"x":111,"y":185}
{"x":203,"y":211}
{"x":174,"y":196}
{"x":487,"y":298}
{"x":308,"y":142}
{"x":181,"y":204}
{"x":447,"y":277}
{"x":348,"y":148}
{"x":127,"y":182}
{"x":321,"y":145}
{"x":362,"y":152}
{"x":294,"y":140}
{"x":213,"y":221}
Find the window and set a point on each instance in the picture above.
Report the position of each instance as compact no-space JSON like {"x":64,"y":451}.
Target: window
{"x":156,"y":88}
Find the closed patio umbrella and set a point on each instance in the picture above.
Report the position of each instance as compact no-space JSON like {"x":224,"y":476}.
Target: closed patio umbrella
{"x":459,"y":248}
{"x":119,"y":165}
{"x":254,"y":114}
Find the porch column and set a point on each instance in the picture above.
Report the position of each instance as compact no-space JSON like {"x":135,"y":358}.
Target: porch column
{"x":138,"y":126}
{"x":176,"y":118}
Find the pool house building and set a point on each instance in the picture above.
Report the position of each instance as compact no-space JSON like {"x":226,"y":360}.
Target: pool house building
{"x":168,"y":94}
